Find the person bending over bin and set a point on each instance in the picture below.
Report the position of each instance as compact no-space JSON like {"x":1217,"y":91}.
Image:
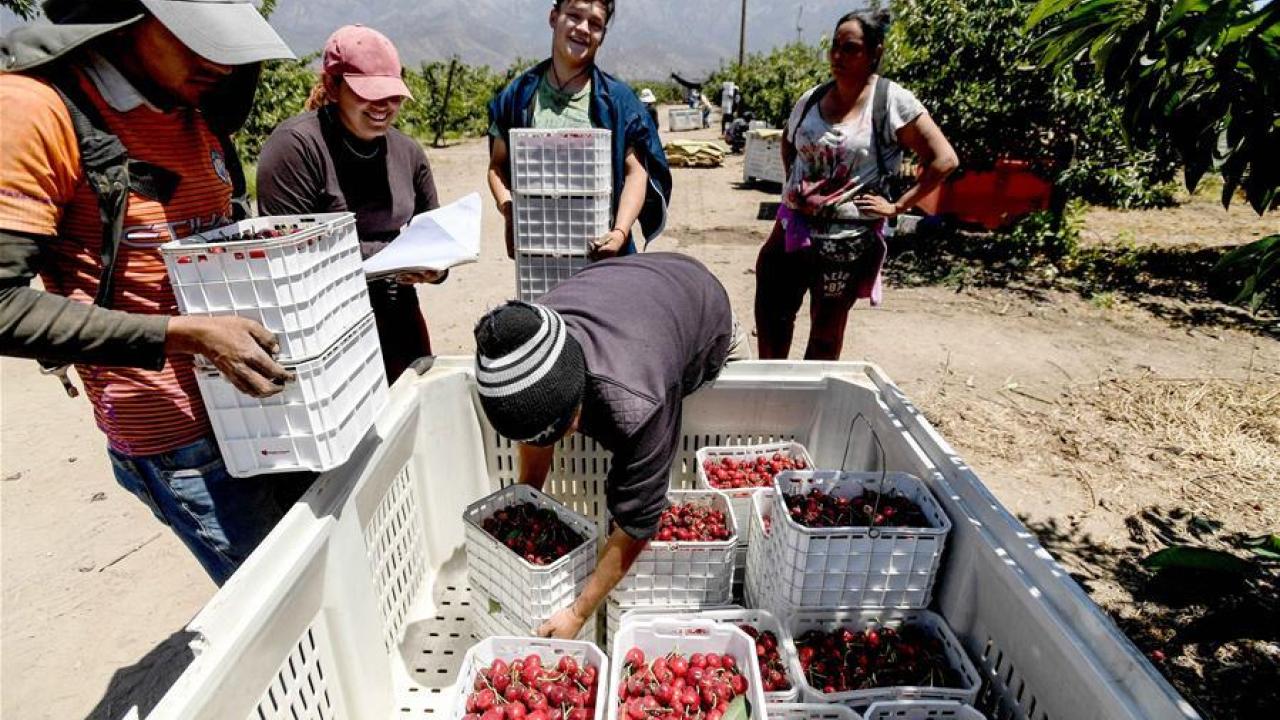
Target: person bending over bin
{"x":568,"y":91}
{"x":115,"y":140}
{"x":580,"y":361}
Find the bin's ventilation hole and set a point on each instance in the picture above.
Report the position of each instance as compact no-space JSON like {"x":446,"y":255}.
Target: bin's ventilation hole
{"x":394,"y":545}
{"x":299,"y":683}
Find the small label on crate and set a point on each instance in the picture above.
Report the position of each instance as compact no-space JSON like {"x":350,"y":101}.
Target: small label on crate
{"x":275,"y":448}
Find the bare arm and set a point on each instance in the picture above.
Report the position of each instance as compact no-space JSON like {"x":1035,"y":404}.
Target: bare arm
{"x":620,"y":552}
{"x":535,"y":464}
{"x":788,"y":156}
{"x":500,"y":187}
{"x":923,"y":137}
{"x":40,"y":324}
{"x":634,"y":187}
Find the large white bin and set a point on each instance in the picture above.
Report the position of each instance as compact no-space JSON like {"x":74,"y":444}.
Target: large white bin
{"x":358,"y":598}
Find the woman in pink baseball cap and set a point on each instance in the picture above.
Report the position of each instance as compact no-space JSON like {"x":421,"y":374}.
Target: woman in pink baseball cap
{"x":343,"y":155}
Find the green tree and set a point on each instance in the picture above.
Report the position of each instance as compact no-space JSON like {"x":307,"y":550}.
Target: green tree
{"x":282,"y":93}
{"x":771,"y":83}
{"x":1206,"y":73}
{"x":25,"y":9}
{"x":971,"y":64}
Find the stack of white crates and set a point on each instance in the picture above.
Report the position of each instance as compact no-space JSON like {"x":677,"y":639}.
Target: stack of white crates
{"x":302,"y":278}
{"x":562,"y":182}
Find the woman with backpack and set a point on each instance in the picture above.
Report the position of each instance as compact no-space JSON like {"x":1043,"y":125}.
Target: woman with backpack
{"x":843,"y":142}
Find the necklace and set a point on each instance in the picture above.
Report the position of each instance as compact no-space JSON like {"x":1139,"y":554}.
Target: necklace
{"x":560,"y":86}
{"x":372,"y":154}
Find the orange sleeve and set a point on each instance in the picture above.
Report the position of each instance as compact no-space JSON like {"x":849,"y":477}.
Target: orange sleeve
{"x":39,"y":156}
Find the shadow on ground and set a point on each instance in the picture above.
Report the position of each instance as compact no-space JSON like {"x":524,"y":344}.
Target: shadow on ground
{"x":1215,"y":637}
{"x":1175,"y":283}
{"x":146,"y":681}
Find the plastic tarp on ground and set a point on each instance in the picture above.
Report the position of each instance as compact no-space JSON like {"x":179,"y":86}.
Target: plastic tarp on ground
{"x":695,"y":153}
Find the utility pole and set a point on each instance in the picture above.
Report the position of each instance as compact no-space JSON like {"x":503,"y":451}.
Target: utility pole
{"x":799,"y":27}
{"x":742,"y":38}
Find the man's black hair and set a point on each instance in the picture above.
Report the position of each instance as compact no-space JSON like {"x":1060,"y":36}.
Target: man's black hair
{"x":608,"y":7}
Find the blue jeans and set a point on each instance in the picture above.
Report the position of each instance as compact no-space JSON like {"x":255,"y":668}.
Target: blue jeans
{"x":220,"y":518}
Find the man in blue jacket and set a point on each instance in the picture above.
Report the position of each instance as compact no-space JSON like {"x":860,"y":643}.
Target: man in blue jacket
{"x":569,"y":91}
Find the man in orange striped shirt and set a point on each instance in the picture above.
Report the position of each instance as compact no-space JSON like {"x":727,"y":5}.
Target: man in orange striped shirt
{"x":156,"y":73}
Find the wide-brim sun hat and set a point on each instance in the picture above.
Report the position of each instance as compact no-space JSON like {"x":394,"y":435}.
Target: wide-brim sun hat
{"x":227,"y":32}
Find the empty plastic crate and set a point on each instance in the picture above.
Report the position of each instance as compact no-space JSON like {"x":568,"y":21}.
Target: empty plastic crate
{"x":683,"y":573}
{"x":307,"y":286}
{"x":853,"y":566}
{"x":810,"y":711}
{"x":659,"y":636}
{"x":680,"y":119}
{"x":314,"y":423}
{"x":559,"y":224}
{"x":482,"y":654}
{"x":762,"y":157}
{"x":561,"y":162}
{"x":921,"y":710}
{"x":536,"y":274}
{"x":528,"y":593}
{"x":802,"y":621}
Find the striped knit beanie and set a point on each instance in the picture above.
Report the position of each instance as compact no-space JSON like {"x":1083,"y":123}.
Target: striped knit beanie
{"x":530,"y":371}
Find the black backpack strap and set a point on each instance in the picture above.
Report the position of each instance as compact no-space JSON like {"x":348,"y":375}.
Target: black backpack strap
{"x":879,"y":126}
{"x":106,"y":165}
{"x":814,"y":98}
{"x":240,"y":206}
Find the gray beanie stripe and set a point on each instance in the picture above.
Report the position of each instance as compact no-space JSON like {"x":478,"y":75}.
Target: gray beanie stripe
{"x":531,"y":372}
{"x":529,"y":363}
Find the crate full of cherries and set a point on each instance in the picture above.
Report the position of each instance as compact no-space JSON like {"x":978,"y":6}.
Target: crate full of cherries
{"x":527,"y":553}
{"x":520,"y":678}
{"x":844,"y":539}
{"x":740,"y":471}
{"x":689,"y":562}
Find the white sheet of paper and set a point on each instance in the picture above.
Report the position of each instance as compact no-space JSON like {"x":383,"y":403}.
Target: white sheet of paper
{"x":435,"y":240}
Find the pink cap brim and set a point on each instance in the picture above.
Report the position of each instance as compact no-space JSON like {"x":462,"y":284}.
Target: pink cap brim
{"x":377,"y":87}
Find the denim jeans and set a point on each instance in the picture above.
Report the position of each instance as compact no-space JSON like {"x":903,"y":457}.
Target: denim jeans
{"x":220,"y":518}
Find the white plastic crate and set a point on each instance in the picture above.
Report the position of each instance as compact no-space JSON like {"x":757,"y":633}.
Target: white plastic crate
{"x":762,"y":157}
{"x":681,"y":119}
{"x":810,"y":711}
{"x":801,"y":621}
{"x":368,"y":573}
{"x":761,"y":620}
{"x":559,"y":224}
{"x":921,"y":710}
{"x":755,"y":591}
{"x":659,"y":636}
{"x":740,"y":498}
{"x":490,"y":620}
{"x":528,"y":593}
{"x":482,"y":654}
{"x":616,"y":614}
{"x":683,"y":573}
{"x":307,"y":287}
{"x":314,"y":423}
{"x":537,"y":273}
{"x":561,"y":162}
{"x":856,"y":566}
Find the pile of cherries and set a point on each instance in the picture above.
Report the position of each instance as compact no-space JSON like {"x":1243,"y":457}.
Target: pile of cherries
{"x":699,"y":687}
{"x":730,"y":473}
{"x":527,"y":689}
{"x":691,"y":522}
{"x":773,"y":671}
{"x":845,"y":659}
{"x":278,"y":231}
{"x":534,"y":533}
{"x":820,"y":509}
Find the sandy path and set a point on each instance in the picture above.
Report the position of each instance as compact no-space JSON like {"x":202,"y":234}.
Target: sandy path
{"x":95,"y":592}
